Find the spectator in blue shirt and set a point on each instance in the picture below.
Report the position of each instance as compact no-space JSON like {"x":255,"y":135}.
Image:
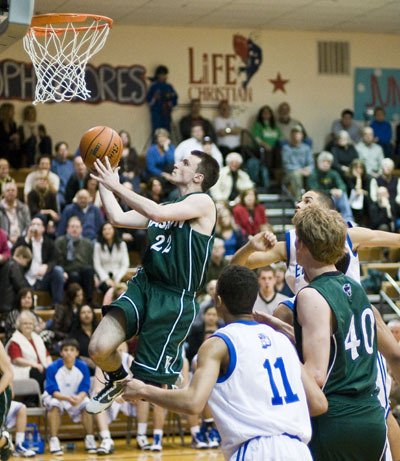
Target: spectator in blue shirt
{"x":160,"y":156}
{"x":67,"y":389}
{"x":89,"y":215}
{"x":383,"y":131}
{"x":64,"y":168}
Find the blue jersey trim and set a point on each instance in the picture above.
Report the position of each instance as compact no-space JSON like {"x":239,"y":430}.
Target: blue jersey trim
{"x":289,"y":303}
{"x":232,"y":356}
{"x":350,"y":243}
{"x":246,"y":322}
{"x":287,"y":239}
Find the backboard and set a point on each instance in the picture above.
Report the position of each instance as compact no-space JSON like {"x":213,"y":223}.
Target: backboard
{"x":15,"y":19}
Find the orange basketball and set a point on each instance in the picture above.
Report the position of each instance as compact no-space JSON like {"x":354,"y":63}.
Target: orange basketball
{"x":100,"y":142}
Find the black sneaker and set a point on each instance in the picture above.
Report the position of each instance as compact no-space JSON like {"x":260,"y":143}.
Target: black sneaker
{"x":8,"y":448}
{"x":106,"y":396}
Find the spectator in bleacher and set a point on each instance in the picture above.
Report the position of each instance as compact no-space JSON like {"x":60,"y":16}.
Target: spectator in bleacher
{"x":89,"y":215}
{"x":227,"y":230}
{"x":77,"y":180}
{"x":14,"y":214}
{"x":228,"y":129}
{"x":23,"y":302}
{"x":63,"y":167}
{"x":82,"y":329}
{"x":249,"y":214}
{"x":130,"y":170}
{"x":76,"y":257}
{"x":43,"y":165}
{"x":280,"y":282}
{"x":67,"y":389}
{"x":328,"y":180}
{"x":347,"y":123}
{"x":384,"y":214}
{"x":12,"y":277}
{"x":343,"y":152}
{"x":66,"y":314}
{"x":358,"y":190}
{"x":160,"y":156}
{"x":42,"y":200}
{"x":45,"y":142}
{"x":28,"y":353}
{"x":92,"y":186}
{"x":17,"y":418}
{"x":370,"y":152}
{"x":232,"y":180}
{"x":28,"y":135}
{"x":9,"y":139}
{"x":285,"y":123}
{"x":387,"y":179}
{"x":267,"y":135}
{"x":195,"y":142}
{"x":187,"y":122}
{"x":155,"y":190}
{"x":43,"y":272}
{"x":218,"y":260}
{"x":4,"y":174}
{"x":297,"y":162}
{"x":268,"y":298}
{"x":110,"y":257}
{"x":5,"y":252}
{"x":383,"y":131}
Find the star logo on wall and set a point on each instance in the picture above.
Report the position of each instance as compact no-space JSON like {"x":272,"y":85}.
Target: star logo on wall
{"x":279,"y":83}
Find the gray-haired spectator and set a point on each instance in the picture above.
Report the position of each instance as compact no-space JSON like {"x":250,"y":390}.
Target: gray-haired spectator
{"x":232,"y":180}
{"x":370,"y":152}
{"x":43,"y":165}
{"x":77,"y":180}
{"x":343,"y":152}
{"x":386,"y":179}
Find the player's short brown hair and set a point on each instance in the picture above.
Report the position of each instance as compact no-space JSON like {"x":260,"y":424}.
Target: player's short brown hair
{"x":322,"y":231}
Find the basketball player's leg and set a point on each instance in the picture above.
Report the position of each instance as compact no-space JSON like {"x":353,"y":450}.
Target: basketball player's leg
{"x":393,"y":437}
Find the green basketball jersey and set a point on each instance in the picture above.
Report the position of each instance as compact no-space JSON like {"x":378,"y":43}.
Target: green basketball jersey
{"x":352,"y":362}
{"x":177,"y":255}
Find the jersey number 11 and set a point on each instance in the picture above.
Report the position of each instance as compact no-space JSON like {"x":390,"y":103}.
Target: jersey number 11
{"x":289,"y":396}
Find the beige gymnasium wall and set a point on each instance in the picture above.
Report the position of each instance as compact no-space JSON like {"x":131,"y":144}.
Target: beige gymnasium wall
{"x":316,"y":100}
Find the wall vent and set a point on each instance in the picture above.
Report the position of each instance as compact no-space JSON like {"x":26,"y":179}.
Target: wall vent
{"x":333,"y":58}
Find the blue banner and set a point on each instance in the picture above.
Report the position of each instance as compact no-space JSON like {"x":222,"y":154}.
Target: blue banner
{"x":376,"y":87}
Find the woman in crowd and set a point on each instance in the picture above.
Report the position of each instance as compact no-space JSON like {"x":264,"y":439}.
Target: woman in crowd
{"x":155,"y":190}
{"x":358,"y":189}
{"x":42,"y":199}
{"x":249,"y":214}
{"x":28,"y":353}
{"x":82,"y":330}
{"x":386,"y":179}
{"x":160,"y":155}
{"x":24,"y":302}
{"x":129,"y":164}
{"x":110,"y":257}
{"x":228,"y":231}
{"x":66,"y":313}
{"x":267,"y":135}
{"x":9,"y":139}
{"x":343,"y":152}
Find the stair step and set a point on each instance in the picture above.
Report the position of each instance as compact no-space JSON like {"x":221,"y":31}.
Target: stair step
{"x":272,"y":212}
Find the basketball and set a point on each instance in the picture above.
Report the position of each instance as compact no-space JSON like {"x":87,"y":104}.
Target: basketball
{"x":100,"y":142}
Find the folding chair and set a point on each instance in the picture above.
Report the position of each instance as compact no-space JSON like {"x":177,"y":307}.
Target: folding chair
{"x":29,"y":386}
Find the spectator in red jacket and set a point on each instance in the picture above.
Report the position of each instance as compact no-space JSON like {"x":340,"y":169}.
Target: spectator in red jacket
{"x":249,"y":214}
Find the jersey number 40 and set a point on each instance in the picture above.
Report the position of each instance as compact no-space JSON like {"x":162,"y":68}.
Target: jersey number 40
{"x":352,"y":343}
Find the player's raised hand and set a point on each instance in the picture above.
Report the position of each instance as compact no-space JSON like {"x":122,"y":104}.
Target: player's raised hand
{"x":106,"y":175}
{"x":132,"y":390}
{"x":263,"y":241}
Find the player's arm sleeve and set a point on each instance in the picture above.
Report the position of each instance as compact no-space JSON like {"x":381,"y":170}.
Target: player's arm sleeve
{"x":84,"y":385}
{"x":51,"y":382}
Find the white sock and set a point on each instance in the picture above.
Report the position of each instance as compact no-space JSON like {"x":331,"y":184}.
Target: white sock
{"x":159,"y":432}
{"x":89,"y":437}
{"x":142,"y":428}
{"x":194,"y":430}
{"x":105,"y":434}
{"x":19,"y":438}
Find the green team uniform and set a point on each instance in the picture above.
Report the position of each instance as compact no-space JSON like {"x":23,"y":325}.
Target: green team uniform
{"x":159,"y":304}
{"x":5,"y":402}
{"x":354,"y":427}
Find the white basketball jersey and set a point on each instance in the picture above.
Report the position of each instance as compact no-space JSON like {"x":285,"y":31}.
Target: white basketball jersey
{"x":262,"y":393}
{"x":295,"y":274}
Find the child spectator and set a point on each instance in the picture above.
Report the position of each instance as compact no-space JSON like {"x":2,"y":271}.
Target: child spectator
{"x":67,"y":389}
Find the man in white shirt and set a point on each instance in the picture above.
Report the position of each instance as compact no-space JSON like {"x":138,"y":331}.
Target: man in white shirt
{"x":267,"y":299}
{"x":195,"y":143}
{"x":370,"y":152}
{"x":227,"y":128}
{"x":44,"y":164}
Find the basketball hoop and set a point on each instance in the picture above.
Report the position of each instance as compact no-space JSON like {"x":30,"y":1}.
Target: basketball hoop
{"x":60,"y":46}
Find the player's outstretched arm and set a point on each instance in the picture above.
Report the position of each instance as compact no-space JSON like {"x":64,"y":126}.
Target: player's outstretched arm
{"x":387,"y":345}
{"x":261,"y":250}
{"x":276,"y":323}
{"x":316,"y":400}
{"x":6,"y":369}
{"x":362,"y":237}
{"x":192,"y":399}
{"x":314,"y":317}
{"x":117,"y":216}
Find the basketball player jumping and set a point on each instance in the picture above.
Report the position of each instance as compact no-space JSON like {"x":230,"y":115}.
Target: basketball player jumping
{"x":259,"y":405}
{"x":159,"y":304}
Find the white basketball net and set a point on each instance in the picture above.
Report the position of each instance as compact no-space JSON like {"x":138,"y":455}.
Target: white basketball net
{"x":60,"y":55}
